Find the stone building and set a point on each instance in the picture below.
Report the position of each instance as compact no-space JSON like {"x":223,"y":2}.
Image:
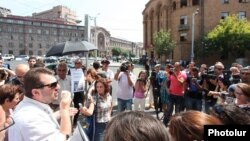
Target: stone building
{"x":35,"y":35}
{"x":176,"y":16}
{"x":32,"y":36}
{"x":58,"y":13}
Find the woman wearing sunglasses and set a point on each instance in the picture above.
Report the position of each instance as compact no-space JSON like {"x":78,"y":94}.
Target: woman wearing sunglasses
{"x":100,"y":105}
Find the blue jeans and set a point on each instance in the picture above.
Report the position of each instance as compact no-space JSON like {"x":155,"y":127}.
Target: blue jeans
{"x":99,"y":131}
{"x":193,"y":103}
{"x":124,"y":105}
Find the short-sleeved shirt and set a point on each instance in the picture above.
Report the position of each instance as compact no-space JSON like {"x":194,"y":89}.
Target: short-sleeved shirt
{"x":103,"y":106}
{"x":125,"y":91}
{"x":175,"y":87}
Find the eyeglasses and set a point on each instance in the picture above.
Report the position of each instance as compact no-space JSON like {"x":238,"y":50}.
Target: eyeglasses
{"x":51,"y":85}
{"x":77,"y":62}
{"x":10,"y":122}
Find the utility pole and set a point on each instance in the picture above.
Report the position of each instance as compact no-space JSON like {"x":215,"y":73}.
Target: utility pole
{"x":87,"y":30}
{"x":193,"y":26}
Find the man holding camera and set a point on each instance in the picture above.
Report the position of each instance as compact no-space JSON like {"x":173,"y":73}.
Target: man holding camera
{"x":126,"y":81}
{"x":210,"y":83}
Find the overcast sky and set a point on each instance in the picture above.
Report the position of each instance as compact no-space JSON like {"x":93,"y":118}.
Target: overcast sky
{"x":122,"y":18}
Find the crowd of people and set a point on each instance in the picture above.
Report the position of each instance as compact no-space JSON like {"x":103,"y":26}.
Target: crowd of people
{"x":38,"y":104}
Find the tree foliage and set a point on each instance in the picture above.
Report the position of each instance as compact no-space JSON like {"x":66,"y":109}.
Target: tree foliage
{"x":163,"y":43}
{"x":116,"y":51}
{"x":230,"y":36}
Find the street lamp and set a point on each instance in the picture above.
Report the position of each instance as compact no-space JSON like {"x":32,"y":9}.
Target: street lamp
{"x":193,"y":23}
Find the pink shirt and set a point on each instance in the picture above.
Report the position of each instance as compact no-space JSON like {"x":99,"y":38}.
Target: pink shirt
{"x":176,"y":88}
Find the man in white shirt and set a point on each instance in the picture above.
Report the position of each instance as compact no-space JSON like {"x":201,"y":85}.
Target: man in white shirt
{"x":34,"y":119}
{"x":108,"y":73}
{"x":126,"y":81}
{"x":64,"y":82}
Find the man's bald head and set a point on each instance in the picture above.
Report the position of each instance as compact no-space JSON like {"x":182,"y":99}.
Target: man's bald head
{"x":21,"y":70}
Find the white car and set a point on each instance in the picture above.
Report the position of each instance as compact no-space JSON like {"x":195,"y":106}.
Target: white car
{"x":22,"y":57}
{"x":8,"y":57}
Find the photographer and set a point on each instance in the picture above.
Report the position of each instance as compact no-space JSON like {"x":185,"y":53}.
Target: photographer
{"x":126,"y":81}
{"x":176,"y":92}
{"x":155,"y":80}
{"x":193,"y":95}
{"x":210,"y":83}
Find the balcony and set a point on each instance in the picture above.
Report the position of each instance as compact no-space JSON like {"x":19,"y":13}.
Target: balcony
{"x":183,"y":27}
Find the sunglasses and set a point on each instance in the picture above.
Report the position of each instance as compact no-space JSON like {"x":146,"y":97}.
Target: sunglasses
{"x":51,"y":85}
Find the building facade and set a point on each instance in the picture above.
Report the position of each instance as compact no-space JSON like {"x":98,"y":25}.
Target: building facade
{"x":58,"y":13}
{"x":32,"y":36}
{"x":176,"y":16}
{"x":37,"y":34}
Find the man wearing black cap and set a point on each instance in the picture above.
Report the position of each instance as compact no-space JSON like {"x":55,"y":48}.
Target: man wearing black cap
{"x":108,"y":72}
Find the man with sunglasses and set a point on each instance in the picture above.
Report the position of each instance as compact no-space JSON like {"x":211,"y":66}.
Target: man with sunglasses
{"x":34,"y":119}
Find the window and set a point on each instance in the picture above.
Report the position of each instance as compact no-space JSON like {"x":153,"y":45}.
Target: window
{"x":183,"y":20}
{"x":20,"y":45}
{"x":40,"y":45}
{"x":30,"y":52}
{"x":243,"y":1}
{"x":39,"y":53}
{"x":225,"y":1}
{"x":30,"y":45}
{"x":242,"y":15}
{"x":183,"y":3}
{"x":183,"y":37}
{"x":11,"y":44}
{"x":174,"y":5}
{"x":224,"y":15}
{"x":196,"y":2}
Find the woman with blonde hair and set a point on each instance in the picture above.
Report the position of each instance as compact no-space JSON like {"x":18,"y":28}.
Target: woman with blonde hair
{"x":189,"y":125}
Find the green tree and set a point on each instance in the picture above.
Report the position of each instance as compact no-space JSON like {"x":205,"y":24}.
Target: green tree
{"x":230,"y":36}
{"x":125,"y":53}
{"x":116,"y":51}
{"x":163,"y":43}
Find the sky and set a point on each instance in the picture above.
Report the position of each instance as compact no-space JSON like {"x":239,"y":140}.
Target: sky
{"x":122,"y":18}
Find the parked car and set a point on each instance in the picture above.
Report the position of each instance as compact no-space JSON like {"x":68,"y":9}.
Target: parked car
{"x":8,"y":57}
{"x":22,"y":57}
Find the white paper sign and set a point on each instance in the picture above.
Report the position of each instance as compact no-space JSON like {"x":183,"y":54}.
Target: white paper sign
{"x":77,"y":80}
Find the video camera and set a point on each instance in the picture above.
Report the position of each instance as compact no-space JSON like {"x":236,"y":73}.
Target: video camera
{"x":208,"y":76}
